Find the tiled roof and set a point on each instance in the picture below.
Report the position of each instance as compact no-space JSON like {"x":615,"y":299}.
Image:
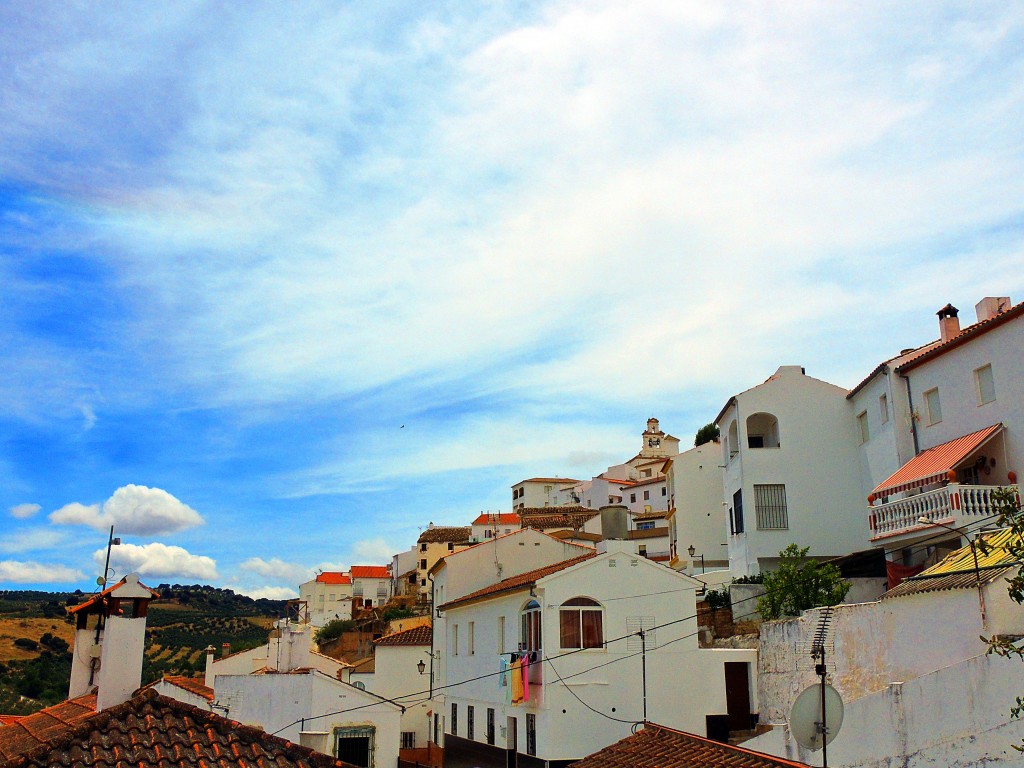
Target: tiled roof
{"x":566,"y":480}
{"x":420,"y":635}
{"x":92,"y":601}
{"x":556,"y":517}
{"x":957,"y":570}
{"x":578,"y":535}
{"x":513,"y":583}
{"x":648,"y":533}
{"x":190,"y":684}
{"x":370,"y":572}
{"x":645,"y":481}
{"x":151,"y":730}
{"x":656,"y":746}
{"x":10,"y":719}
{"x":655,"y":515}
{"x":333,"y":577}
{"x":567,"y":509}
{"x":500,"y":518}
{"x":933,"y":465}
{"x":34,"y":730}
{"x":965,"y":335}
{"x":440,"y":534}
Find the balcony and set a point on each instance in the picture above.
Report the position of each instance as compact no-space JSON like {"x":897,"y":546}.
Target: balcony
{"x":963,"y":504}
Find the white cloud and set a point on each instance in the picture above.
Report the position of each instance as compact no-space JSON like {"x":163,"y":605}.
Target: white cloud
{"x":270,"y":593}
{"x":132,"y":509}
{"x":37,"y":573}
{"x":22,"y":511}
{"x":26,"y":541}
{"x":157,"y":560}
{"x":371,"y":551}
{"x":278,"y":569}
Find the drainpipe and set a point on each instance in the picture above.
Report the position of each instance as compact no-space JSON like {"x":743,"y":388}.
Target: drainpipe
{"x":431,"y":580}
{"x":913,"y":421}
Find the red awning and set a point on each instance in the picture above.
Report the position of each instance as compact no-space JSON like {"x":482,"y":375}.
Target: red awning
{"x":933,"y":465}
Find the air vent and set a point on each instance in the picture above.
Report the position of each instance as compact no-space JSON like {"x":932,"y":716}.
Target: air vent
{"x":612,"y":563}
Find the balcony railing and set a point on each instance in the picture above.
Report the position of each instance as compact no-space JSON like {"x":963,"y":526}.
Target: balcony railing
{"x":961,"y":502}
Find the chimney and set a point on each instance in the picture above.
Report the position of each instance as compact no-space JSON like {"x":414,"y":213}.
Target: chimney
{"x":110,"y":640}
{"x":614,"y":522}
{"x":949,"y":323}
{"x":991,"y":306}
{"x":225,"y":649}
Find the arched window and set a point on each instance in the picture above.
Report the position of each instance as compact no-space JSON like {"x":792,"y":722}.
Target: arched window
{"x":762,"y":431}
{"x":529,"y":637}
{"x":581,"y":623}
{"x":732,"y":441}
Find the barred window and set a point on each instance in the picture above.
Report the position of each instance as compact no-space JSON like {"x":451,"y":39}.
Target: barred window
{"x":770,"y":506}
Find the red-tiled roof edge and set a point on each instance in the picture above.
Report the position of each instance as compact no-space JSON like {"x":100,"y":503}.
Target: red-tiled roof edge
{"x":412,"y":634}
{"x":965,"y":335}
{"x":521,"y":581}
{"x":907,"y":476}
{"x":103,"y":718}
{"x":444,"y":560}
{"x":91,"y":600}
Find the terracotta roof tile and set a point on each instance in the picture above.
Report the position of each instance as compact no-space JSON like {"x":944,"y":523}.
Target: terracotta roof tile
{"x":648,"y":533}
{"x":370,"y":572}
{"x":333,"y":577}
{"x":151,"y":730}
{"x":654,"y":515}
{"x":500,"y":518}
{"x":659,"y":747}
{"x":33,"y":730}
{"x":578,"y":535}
{"x":92,"y":601}
{"x":556,"y":517}
{"x":441,"y":534}
{"x":513,"y":583}
{"x":190,"y":684}
{"x":566,"y":480}
{"x":421,"y":635}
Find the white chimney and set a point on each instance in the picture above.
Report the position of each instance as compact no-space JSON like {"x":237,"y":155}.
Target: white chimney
{"x":949,"y":323}
{"x":110,"y":641}
{"x":991,"y":306}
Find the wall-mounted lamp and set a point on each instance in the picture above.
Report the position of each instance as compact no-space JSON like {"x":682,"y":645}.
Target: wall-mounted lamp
{"x":421,"y":665}
{"x":693,"y":553}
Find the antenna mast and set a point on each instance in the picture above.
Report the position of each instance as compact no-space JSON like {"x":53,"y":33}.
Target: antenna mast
{"x":818,"y":653}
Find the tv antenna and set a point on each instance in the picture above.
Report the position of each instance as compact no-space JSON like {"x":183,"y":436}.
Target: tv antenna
{"x":817,"y":713}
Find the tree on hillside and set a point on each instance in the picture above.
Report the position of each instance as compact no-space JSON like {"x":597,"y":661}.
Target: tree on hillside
{"x":706,"y":434}
{"x":800,"y":584}
{"x":1007,"y":504}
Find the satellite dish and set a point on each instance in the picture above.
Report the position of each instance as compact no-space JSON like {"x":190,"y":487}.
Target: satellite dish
{"x":100,"y":581}
{"x":805,"y":720}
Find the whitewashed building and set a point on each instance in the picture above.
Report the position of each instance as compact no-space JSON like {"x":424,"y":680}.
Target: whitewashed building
{"x":790,"y":455}
{"x":328,"y":596}
{"x":577,"y":621}
{"x":696,"y":514}
{"x":543,"y":492}
{"x":490,"y":525}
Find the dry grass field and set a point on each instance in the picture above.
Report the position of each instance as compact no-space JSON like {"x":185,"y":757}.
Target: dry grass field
{"x":33,"y":629}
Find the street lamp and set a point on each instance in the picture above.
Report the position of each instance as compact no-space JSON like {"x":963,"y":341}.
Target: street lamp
{"x":693,"y":553}
{"x":421,"y":665}
{"x":974,"y":554}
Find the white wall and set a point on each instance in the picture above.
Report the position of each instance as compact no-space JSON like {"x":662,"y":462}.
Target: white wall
{"x":326,"y":602}
{"x":953,"y":374}
{"x":176,"y":692}
{"x":395,"y":675}
{"x":275,"y":702}
{"x":695,"y":490}
{"x":684,"y":682}
{"x":956,"y":717}
{"x":817,"y":461}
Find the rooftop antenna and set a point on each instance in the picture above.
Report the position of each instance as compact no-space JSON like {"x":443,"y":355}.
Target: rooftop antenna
{"x":817,"y":713}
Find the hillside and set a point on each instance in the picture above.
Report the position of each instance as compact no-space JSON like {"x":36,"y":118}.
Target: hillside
{"x":36,"y":634}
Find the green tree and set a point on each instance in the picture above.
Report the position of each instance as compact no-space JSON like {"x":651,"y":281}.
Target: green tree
{"x":1007,"y":503}
{"x":799,"y":584}
{"x":333,"y":629}
{"x":706,"y":434}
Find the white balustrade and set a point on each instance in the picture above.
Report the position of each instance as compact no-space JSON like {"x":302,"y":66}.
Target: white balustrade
{"x":954,"y":500}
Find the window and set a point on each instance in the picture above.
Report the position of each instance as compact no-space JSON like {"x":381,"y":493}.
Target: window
{"x":490,"y":725}
{"x":357,"y":589}
{"x":471,"y":641}
{"x":451,"y":546}
{"x":530,"y":637}
{"x":470,"y":710}
{"x":531,"y":734}
{"x":883,"y":409}
{"x":382,"y":589}
{"x":487,"y":533}
{"x":632,"y":498}
{"x":762,"y":431}
{"x":408,"y":739}
{"x":770,"y":507}
{"x":933,"y":406}
{"x":985,"y":385}
{"x":645,"y":526}
{"x":423,"y":582}
{"x":455,"y":719}
{"x":331,"y":597}
{"x":580,"y":623}
{"x":455,"y":639}
{"x":862,"y":427}
{"x":642,"y":550}
{"x":737,"y":511}
{"x":354,"y":745}
{"x":664,"y":491}
{"x":647,"y":495}
{"x":423,"y":547}
{"x":423,"y":564}
{"x":501,"y":634}
{"x":732,"y":442}
{"x":645,"y":473}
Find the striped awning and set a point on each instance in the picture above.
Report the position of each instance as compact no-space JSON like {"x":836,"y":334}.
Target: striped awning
{"x":933,"y":464}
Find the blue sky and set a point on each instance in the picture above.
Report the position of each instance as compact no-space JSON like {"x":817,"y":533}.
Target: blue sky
{"x":241,"y":248}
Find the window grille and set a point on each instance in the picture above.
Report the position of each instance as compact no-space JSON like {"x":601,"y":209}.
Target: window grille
{"x":770,"y":505}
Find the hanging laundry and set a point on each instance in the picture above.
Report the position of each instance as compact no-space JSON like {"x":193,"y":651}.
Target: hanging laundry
{"x":517,"y":682}
{"x":525,"y":666}
{"x":502,"y":672}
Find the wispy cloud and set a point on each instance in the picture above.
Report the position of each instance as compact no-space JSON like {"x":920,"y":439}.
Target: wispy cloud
{"x":17,"y":572}
{"x":23,"y":511}
{"x":31,"y":539}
